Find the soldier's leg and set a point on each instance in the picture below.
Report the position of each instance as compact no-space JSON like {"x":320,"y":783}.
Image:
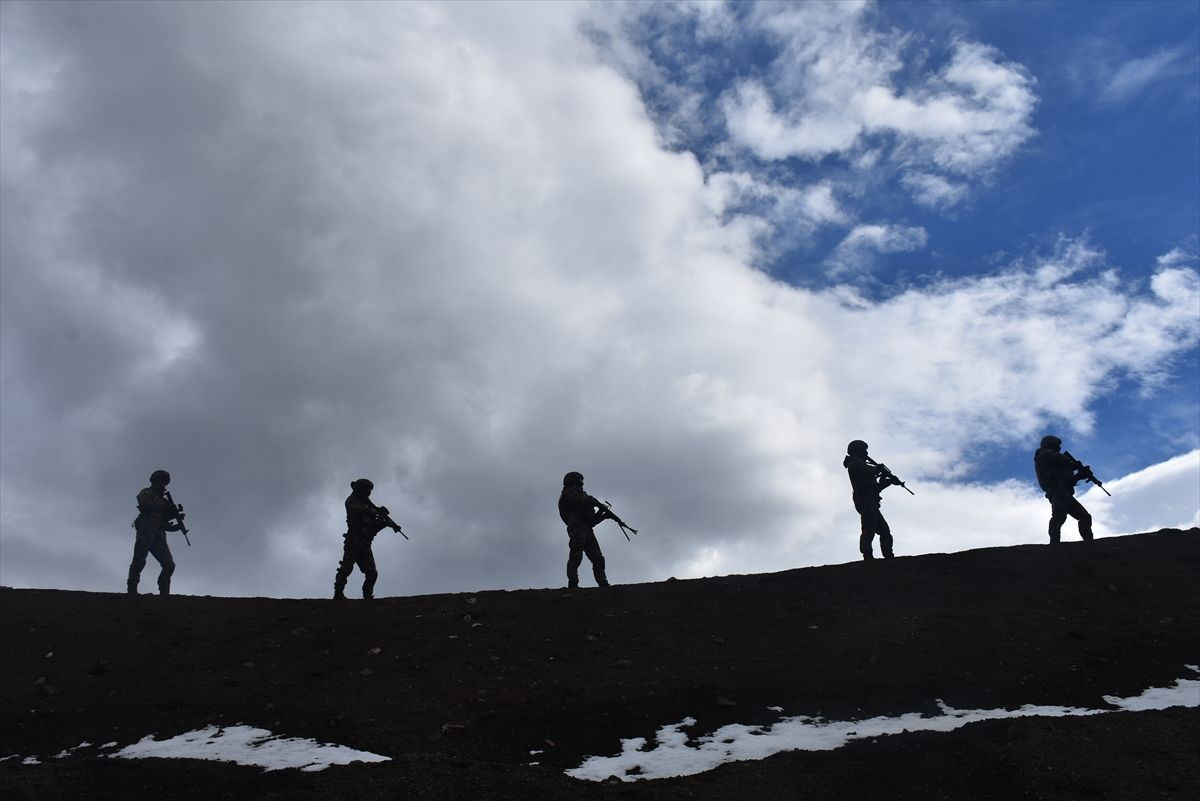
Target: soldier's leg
{"x":1058,"y":515}
{"x":592,"y":548}
{"x":141,"y":547}
{"x":1075,"y":509}
{"x":349,"y":553}
{"x":574,"y":558}
{"x":366,"y":563}
{"x":162,"y":552}
{"x":867,"y":523}
{"x":885,"y":534}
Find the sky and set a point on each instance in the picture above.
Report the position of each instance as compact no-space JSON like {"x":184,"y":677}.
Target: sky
{"x":688,"y":249}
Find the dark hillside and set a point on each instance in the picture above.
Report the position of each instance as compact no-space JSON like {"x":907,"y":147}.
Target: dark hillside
{"x":459,"y":689}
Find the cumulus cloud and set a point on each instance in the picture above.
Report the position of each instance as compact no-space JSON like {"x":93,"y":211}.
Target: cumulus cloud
{"x":1164,"y":495}
{"x":835,"y":83}
{"x":274,"y":248}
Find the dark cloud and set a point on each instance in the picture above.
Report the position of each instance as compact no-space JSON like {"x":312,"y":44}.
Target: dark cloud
{"x":273,"y":248}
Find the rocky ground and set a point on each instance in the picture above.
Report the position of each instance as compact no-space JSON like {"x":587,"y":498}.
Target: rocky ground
{"x":460,"y":689}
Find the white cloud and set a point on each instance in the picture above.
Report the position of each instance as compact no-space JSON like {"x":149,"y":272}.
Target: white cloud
{"x":934,"y":191}
{"x":1164,"y":495}
{"x":1133,"y":77}
{"x":834,"y":84}
{"x":1177,"y":257}
{"x":442,"y":248}
{"x":858,"y":249}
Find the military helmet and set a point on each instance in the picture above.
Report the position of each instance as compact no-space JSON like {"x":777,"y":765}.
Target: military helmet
{"x":362,"y":484}
{"x":160,"y":477}
{"x":856,"y":447}
{"x":1051,"y":441}
{"x":573,"y":478}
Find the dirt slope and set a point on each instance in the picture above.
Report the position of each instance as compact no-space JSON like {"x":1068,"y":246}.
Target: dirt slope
{"x":463,"y":687}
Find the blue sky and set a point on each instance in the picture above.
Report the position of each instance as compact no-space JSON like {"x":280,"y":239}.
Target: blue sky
{"x":1113,"y":157}
{"x":688,"y":249}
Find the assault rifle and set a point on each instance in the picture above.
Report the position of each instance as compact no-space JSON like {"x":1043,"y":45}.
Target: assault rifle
{"x":178,"y":516}
{"x":625,"y":528}
{"x":383,"y":516}
{"x":1084,"y":472}
{"x":882,"y":470}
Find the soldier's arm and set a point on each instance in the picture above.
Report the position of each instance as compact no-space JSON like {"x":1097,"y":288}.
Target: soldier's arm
{"x":359,"y":514}
{"x":150,"y":502}
{"x":598,"y":510}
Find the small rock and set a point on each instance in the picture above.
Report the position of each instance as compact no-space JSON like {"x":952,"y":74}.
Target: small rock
{"x":366,"y":672}
{"x":723,"y":701}
{"x":250,"y":665}
{"x":623,"y":663}
{"x":376,"y":651}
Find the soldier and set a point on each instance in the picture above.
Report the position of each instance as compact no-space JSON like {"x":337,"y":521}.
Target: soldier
{"x":1058,"y":473}
{"x":581,"y":512}
{"x":363,"y":521}
{"x":154,"y":520}
{"x":868,"y":483}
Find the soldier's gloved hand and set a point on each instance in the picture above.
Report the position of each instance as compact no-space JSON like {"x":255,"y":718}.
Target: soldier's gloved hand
{"x":383,"y":510}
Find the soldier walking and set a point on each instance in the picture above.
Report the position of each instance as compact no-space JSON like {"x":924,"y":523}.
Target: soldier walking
{"x":363,"y":521}
{"x":1057,"y":474}
{"x":157,"y":515}
{"x":581,"y":512}
{"x":868,"y":482}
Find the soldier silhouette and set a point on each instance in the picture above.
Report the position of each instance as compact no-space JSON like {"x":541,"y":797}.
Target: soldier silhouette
{"x":363,"y":521}
{"x":157,"y":515}
{"x":868,"y":481}
{"x":581,"y":512}
{"x":1057,"y":474}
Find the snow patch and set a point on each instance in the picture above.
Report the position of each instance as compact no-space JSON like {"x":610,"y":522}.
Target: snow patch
{"x":246,"y":745}
{"x":672,"y":756}
{"x":243,"y":745}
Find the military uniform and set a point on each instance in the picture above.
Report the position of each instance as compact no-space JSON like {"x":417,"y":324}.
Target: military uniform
{"x":154,"y":520}
{"x":867,"y":485}
{"x":1056,"y":476}
{"x":580,"y":512}
{"x":362,"y":524}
